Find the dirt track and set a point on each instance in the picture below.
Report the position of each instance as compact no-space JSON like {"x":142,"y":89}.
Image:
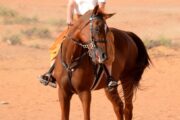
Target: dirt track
{"x":22,"y":97}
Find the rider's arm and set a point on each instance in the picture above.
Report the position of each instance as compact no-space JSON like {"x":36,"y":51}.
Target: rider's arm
{"x":70,"y":10}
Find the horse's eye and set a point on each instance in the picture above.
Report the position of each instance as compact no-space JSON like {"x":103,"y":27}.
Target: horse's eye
{"x":97,"y":29}
{"x":97,"y":22}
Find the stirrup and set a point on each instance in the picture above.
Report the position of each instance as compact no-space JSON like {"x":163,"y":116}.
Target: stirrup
{"x":45,"y":79}
{"x":48,"y":79}
{"x":52,"y":82}
{"x":112,"y":84}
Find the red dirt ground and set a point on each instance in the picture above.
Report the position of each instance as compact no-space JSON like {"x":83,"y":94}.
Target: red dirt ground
{"x":22,"y":97}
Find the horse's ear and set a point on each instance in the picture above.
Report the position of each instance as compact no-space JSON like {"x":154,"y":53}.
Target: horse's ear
{"x":106,"y":16}
{"x":95,"y":10}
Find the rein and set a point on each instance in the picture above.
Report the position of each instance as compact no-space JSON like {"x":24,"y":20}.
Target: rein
{"x":91,"y":44}
{"x":71,"y":67}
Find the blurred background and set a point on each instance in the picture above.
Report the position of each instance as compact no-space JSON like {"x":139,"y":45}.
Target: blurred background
{"x":28,"y":28}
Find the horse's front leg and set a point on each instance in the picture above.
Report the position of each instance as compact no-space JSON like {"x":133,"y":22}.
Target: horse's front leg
{"x":85,"y":97}
{"x":64,"y":99}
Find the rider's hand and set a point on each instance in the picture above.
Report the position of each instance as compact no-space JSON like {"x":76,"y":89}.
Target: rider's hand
{"x":69,"y":24}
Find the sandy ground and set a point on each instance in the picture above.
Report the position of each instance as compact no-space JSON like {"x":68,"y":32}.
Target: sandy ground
{"x":22,"y":97}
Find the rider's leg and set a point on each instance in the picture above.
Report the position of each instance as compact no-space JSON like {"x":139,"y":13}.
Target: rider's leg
{"x":47,"y":77}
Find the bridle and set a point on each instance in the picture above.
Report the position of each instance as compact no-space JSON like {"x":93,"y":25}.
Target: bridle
{"x":92,"y":43}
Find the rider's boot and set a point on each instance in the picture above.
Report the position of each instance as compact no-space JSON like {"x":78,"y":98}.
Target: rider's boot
{"x":47,"y":78}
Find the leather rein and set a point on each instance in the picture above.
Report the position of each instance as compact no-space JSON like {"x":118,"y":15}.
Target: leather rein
{"x":89,"y":45}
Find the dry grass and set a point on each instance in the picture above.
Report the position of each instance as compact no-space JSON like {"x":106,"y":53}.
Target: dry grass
{"x":160,"y":41}
{"x":14,"y":39}
{"x":6,"y":12}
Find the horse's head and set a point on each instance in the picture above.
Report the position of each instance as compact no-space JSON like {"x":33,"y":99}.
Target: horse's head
{"x":90,"y":32}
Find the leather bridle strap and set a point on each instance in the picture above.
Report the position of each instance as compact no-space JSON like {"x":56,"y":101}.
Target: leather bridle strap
{"x":71,"y":67}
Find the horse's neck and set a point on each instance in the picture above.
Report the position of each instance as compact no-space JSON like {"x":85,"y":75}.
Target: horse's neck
{"x":70,"y":51}
{"x":110,"y":48}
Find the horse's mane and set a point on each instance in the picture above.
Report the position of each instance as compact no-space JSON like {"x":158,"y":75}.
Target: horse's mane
{"x":77,"y":25}
{"x":83,"y":19}
{"x":80,"y":23}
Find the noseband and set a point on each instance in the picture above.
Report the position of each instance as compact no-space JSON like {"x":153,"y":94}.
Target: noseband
{"x":93,"y":30}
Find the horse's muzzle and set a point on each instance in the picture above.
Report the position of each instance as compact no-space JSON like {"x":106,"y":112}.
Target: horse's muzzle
{"x":98,"y":55}
{"x":102,"y":57}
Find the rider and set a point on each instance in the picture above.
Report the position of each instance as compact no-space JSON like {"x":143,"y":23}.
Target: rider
{"x":75,"y":9}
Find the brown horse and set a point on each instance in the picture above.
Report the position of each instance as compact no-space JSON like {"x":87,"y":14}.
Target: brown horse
{"x":89,"y":43}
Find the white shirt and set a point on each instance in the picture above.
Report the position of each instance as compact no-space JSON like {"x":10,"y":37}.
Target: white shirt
{"x":82,"y":6}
